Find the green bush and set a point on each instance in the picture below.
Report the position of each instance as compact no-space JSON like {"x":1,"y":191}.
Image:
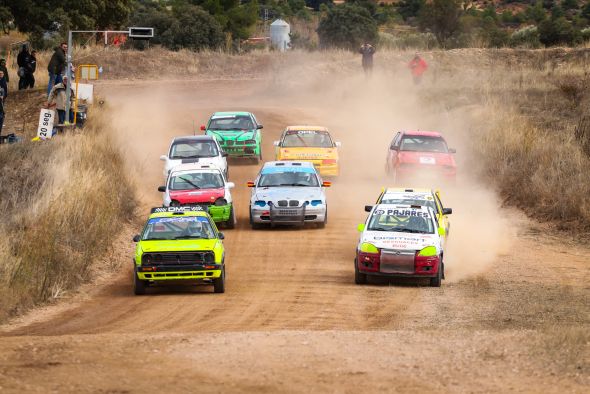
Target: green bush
{"x":526,"y":37}
{"x":347,"y":26}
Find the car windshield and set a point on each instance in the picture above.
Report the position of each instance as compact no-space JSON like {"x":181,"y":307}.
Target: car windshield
{"x":193,"y":150}
{"x":409,"y":201}
{"x":421,"y":143}
{"x":231,"y":123}
{"x":288,"y":178}
{"x":307,"y":138}
{"x":196,"y":180}
{"x":401,"y":220}
{"x":181,"y":227}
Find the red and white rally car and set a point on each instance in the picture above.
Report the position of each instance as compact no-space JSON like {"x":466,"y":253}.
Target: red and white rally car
{"x":420,"y":154}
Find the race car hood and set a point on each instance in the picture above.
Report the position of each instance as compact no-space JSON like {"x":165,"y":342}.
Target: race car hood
{"x":426,"y":158}
{"x":181,"y":245}
{"x":307,"y":153}
{"x":275,"y":194}
{"x":401,"y":241}
{"x":235,"y":135}
{"x":197,"y":196}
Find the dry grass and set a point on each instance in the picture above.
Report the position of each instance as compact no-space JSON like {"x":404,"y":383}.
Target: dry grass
{"x":62,"y":203}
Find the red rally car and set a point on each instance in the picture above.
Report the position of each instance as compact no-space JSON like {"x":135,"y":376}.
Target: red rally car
{"x":421,"y":154}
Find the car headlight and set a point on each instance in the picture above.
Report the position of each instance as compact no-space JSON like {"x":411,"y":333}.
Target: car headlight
{"x":250,"y":142}
{"x":260,"y":203}
{"x":315,"y":203}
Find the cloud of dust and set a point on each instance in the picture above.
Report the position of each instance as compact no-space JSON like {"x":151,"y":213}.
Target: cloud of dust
{"x":362,"y":113}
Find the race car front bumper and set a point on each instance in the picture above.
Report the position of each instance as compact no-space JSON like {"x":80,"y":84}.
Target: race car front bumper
{"x":424,"y":174}
{"x":288,"y":215}
{"x":182,"y":272}
{"x":220,"y":213}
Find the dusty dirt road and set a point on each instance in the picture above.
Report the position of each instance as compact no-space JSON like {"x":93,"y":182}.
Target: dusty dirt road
{"x":513,"y":314}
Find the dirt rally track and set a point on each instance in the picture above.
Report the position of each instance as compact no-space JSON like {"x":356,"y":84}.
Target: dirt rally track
{"x":291,"y":318}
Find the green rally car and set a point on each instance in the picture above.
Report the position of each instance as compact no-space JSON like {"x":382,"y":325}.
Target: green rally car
{"x":182,"y":244}
{"x":238,"y":133}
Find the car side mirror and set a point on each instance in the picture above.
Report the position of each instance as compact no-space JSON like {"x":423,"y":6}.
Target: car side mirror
{"x":250,"y":184}
{"x":276,"y":143}
{"x":224,"y":154}
{"x":394,"y":147}
{"x":221,"y":236}
{"x":338,"y":144}
{"x":441,"y":231}
{"x":136,"y":238}
{"x":203,"y":128}
{"x":162,"y":189}
{"x":163,"y":157}
{"x":368,"y":208}
{"x":447,"y":211}
{"x":361,"y":227}
{"x":230,"y":185}
{"x":452,"y":150}
{"x":326,"y":184}
{"x":259,"y":127}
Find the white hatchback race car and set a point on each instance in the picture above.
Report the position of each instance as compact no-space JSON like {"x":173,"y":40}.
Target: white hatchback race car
{"x":201,"y":149}
{"x":290,"y":193}
{"x":400,"y":241}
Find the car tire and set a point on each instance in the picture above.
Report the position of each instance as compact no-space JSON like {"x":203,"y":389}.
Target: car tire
{"x":231,"y":222}
{"x":437,"y":280}
{"x":138,"y":284}
{"x":359,"y":277}
{"x":219,"y":283}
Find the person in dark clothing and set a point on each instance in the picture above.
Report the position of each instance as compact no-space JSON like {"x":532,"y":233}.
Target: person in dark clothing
{"x":56,"y":66}
{"x":2,"y":95}
{"x":3,"y":85}
{"x":5,"y":70}
{"x":22,"y":60}
{"x":32,"y":67}
{"x":367,"y":50}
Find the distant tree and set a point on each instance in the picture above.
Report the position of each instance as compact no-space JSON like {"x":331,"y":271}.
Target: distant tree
{"x":556,"y":32}
{"x":441,"y":17}
{"x":316,"y":4}
{"x":570,"y":4}
{"x":347,"y":26}
{"x":536,"y":13}
{"x":5,"y":19}
{"x":409,"y":8}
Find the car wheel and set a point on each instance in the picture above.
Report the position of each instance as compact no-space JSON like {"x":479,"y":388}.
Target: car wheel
{"x":359,"y":277}
{"x":138,"y":284}
{"x":219,"y":283}
{"x":231,"y":222}
{"x":437,"y":280}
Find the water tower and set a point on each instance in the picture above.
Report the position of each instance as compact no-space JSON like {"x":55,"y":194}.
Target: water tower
{"x":279,"y":35}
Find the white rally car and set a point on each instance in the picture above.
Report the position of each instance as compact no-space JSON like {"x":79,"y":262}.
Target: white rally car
{"x":288,"y":192}
{"x":201,"y":149}
{"x":400,"y":241}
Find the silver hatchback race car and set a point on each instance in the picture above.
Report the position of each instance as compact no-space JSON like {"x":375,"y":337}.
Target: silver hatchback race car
{"x":288,"y":193}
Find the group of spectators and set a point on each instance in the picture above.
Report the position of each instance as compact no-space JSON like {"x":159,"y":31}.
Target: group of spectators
{"x":417,"y":65}
{"x":27,"y":66}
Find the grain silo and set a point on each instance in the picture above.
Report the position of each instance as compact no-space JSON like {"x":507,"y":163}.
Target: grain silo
{"x":279,"y":35}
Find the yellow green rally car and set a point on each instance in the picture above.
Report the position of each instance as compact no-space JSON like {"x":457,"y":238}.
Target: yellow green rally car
{"x":182,"y":244}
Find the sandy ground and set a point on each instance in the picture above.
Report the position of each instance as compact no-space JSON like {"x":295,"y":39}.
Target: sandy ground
{"x":513,"y":314}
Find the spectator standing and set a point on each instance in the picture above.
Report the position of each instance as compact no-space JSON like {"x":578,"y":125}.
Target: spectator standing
{"x":2,"y":95}
{"x":32,"y":67}
{"x":3,"y":85}
{"x":5,"y":70}
{"x":56,"y":66}
{"x":417,"y":66}
{"x":22,"y":60}
{"x":367,"y":50}
{"x":57,"y":98}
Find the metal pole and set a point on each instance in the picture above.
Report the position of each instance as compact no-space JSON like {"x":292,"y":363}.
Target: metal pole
{"x":69,"y":75}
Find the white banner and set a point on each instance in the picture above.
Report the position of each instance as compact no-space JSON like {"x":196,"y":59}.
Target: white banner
{"x":46,"y":120}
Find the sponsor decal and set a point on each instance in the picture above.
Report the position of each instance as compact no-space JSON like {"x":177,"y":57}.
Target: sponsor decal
{"x":427,"y":160}
{"x":179,"y":219}
{"x":177,"y":209}
{"x":400,"y":212}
